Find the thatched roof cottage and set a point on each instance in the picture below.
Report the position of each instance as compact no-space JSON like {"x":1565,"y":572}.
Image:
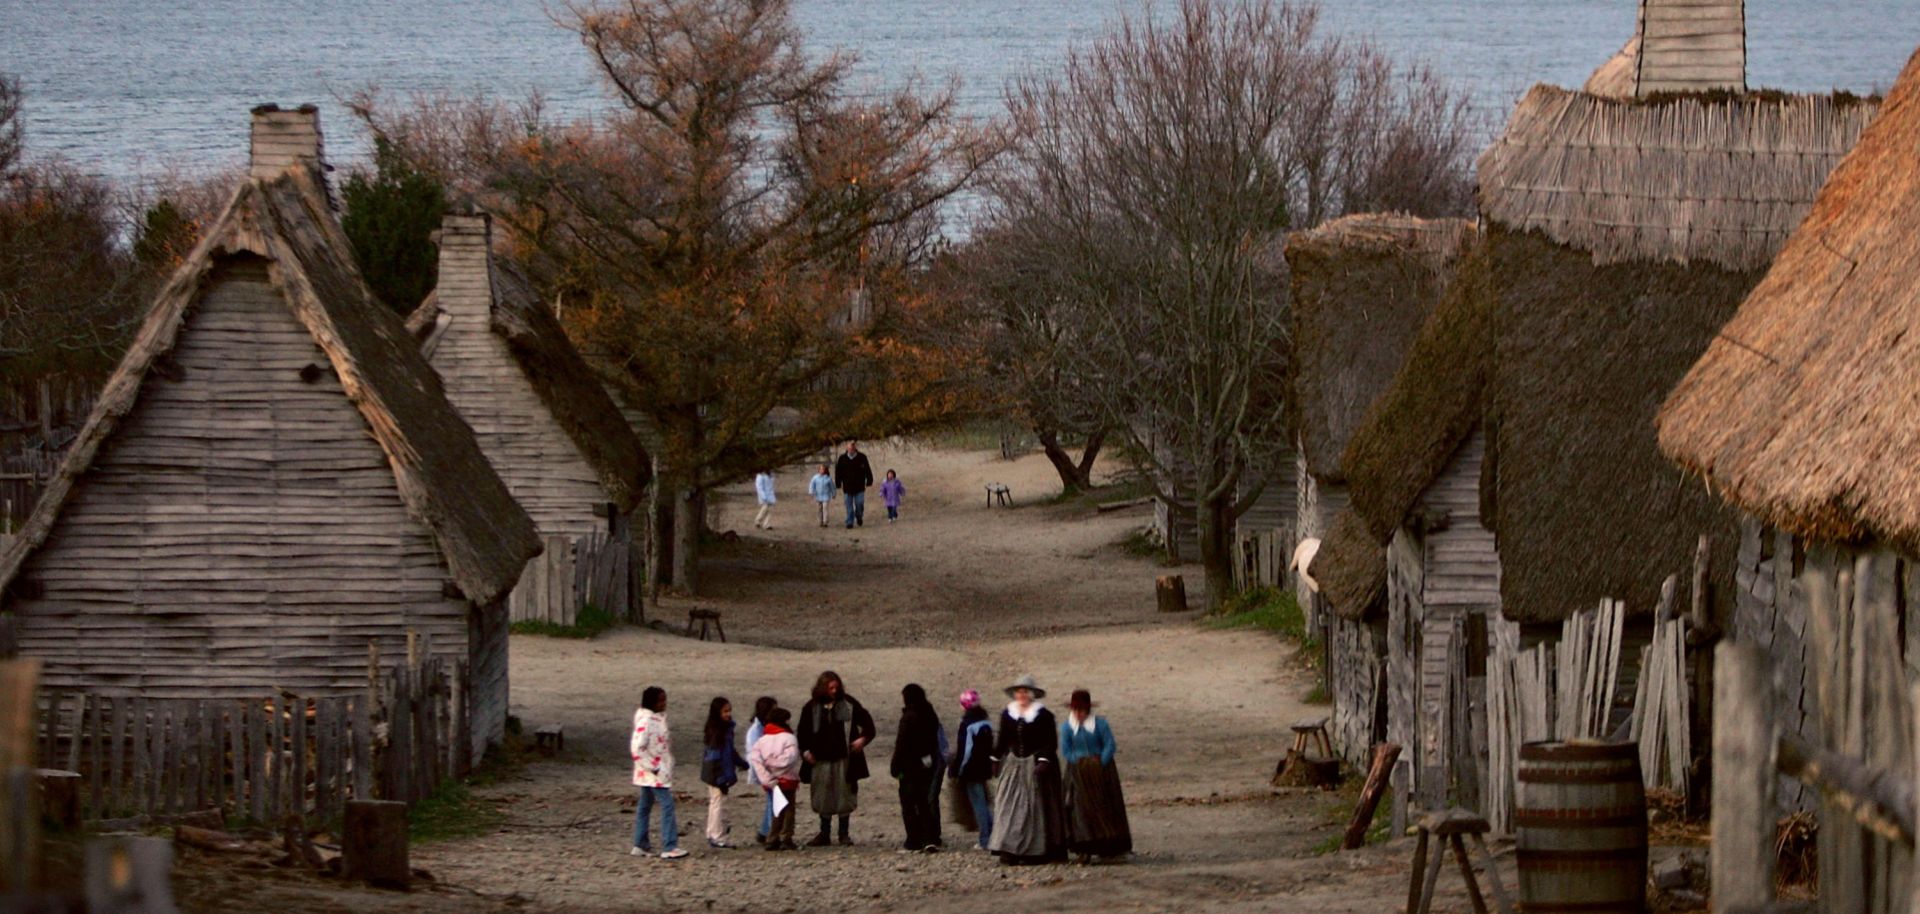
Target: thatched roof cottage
{"x":270,"y":481}
{"x":1800,"y":414}
{"x":1621,"y":235}
{"x":543,"y":418}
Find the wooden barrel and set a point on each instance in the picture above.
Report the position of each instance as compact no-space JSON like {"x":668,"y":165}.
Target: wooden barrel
{"x":1580,"y":821}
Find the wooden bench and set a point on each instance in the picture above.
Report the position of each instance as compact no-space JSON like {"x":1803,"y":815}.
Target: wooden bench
{"x":999,"y":490}
{"x":708,"y":619}
{"x":1302,"y":767}
{"x":1451,"y":827}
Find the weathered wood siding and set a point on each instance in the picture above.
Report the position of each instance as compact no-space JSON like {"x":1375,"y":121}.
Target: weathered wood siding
{"x":1320,"y":502}
{"x":542,"y":468}
{"x":487,"y":675}
{"x":240,"y":531}
{"x":1356,"y":674}
{"x":1692,"y":46}
{"x":1461,"y":564}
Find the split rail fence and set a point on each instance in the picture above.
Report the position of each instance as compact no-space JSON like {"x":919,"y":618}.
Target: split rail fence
{"x":262,"y":758}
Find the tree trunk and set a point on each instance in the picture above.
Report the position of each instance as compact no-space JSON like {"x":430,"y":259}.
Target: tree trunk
{"x":1215,"y":521}
{"x":657,"y":536}
{"x":1070,"y":479}
{"x":1074,"y":477}
{"x":689,"y":519}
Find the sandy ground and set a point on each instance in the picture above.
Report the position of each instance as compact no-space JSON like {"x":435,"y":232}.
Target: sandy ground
{"x":955,"y":595}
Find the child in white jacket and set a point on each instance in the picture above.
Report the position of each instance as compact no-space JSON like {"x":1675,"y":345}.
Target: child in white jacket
{"x":775,"y":759}
{"x":652,"y":748}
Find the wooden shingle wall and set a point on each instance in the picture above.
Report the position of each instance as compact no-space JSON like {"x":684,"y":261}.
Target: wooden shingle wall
{"x":1692,"y":46}
{"x":1462,"y":566}
{"x":533,"y":455}
{"x":241,"y":530}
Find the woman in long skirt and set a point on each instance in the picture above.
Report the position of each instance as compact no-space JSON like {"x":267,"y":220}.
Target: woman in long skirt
{"x":833,"y":731}
{"x":1027,"y":821}
{"x":1096,"y":811}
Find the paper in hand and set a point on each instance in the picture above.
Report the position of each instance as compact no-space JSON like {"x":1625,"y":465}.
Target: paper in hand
{"x":779,"y":800}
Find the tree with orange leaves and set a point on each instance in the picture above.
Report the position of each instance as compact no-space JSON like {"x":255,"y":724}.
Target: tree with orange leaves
{"x":740,"y":246}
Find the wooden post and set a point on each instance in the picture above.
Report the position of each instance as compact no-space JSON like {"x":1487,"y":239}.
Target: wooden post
{"x":1913,"y":706}
{"x":1171,"y":591}
{"x":1743,"y":767}
{"x":373,"y":843}
{"x":1384,"y":755}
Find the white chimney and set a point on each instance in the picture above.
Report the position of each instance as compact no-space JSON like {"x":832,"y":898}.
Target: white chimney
{"x":282,"y":137}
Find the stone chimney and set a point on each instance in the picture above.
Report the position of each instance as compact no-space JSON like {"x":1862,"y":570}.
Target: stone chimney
{"x":282,"y":137}
{"x":465,"y":284}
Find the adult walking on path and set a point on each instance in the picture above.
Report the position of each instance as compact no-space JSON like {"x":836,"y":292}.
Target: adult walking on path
{"x":821,"y":488}
{"x":916,"y":757}
{"x":1027,"y":818}
{"x":853,"y":474}
{"x":763,"y":491}
{"x":1096,"y":810}
{"x":834,"y":730}
{"x":972,"y":767}
{"x":652,"y":748}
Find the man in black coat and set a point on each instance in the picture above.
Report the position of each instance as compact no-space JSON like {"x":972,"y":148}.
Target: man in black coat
{"x":852,"y":474}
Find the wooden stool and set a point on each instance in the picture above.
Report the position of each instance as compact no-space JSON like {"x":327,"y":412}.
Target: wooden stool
{"x":550,"y":739}
{"x":999,"y":491}
{"x":1311,"y":734}
{"x":706,"y":618}
{"x":1449,"y":827}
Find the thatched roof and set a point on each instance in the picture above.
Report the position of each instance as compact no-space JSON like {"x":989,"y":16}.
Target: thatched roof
{"x":1362,"y":287}
{"x":1432,"y":405}
{"x":482,"y":533}
{"x":1715,"y":179}
{"x":1802,"y":410}
{"x":1351,"y":567}
{"x":1616,"y":77}
{"x":560,"y":376}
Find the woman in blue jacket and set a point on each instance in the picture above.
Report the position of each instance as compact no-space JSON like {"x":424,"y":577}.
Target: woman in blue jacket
{"x":1096,"y":811}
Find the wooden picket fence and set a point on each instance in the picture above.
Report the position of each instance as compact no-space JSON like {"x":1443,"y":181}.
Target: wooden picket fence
{"x":262,"y":758}
{"x":572,"y":572}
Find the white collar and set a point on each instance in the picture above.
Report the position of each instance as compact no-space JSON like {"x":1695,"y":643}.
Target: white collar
{"x":1078,"y":724}
{"x":1033,"y":711}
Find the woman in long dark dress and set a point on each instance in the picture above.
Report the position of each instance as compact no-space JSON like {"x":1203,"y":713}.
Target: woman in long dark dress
{"x":833,"y":730}
{"x":1096,"y":811}
{"x":1027,"y":816}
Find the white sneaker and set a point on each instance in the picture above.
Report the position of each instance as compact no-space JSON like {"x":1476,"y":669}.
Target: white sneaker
{"x":674,"y":854}
{"x":639,"y":852}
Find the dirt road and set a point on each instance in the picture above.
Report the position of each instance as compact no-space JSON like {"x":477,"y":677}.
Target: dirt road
{"x":955,"y":595}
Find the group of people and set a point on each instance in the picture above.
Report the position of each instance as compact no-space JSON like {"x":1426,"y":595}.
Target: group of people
{"x":1036,"y":791}
{"x":851,"y":476}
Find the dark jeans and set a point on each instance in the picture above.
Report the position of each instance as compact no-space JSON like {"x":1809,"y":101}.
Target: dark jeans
{"x":856,"y":508}
{"x":893,"y":512}
{"x":916,"y":808}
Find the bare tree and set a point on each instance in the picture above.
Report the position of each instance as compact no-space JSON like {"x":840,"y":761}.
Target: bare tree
{"x":1143,"y":207}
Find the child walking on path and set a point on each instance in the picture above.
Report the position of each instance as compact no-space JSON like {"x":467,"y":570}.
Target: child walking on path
{"x":763,"y":489}
{"x":821,"y":486}
{"x":720,"y":768}
{"x":776,"y":765}
{"x":757,"y":728}
{"x":890,"y":492}
{"x":652,"y":749}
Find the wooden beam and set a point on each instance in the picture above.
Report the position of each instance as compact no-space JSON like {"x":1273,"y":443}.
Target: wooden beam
{"x":1881,"y":801}
{"x":1743,"y":766}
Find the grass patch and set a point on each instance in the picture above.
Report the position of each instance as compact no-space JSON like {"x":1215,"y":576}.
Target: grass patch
{"x":1377,"y":830}
{"x":450,"y":813}
{"x":1126,"y":488}
{"x":1272,"y":609}
{"x":588,"y":623}
{"x":1141,"y":543}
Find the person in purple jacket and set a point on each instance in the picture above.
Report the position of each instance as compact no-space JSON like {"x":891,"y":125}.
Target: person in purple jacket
{"x":891,"y":490}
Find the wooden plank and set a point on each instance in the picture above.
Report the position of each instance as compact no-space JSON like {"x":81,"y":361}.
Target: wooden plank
{"x":256,"y":760}
{"x":219,"y":740}
{"x":297,"y":771}
{"x":77,"y":722}
{"x":139,"y":746}
{"x":119,"y":773}
{"x":399,"y":743}
{"x":362,"y":746}
{"x":1744,"y":778}
{"x":96,"y":759}
{"x":323,"y":763}
{"x":277,"y":779}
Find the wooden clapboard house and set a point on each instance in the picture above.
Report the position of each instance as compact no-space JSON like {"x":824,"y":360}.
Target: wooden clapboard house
{"x":1414,"y":541}
{"x":271,"y":481}
{"x":1363,"y":287}
{"x":544,"y":420}
{"x":1800,"y":414}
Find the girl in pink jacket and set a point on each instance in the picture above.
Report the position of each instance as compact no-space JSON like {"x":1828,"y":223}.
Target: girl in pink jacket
{"x":775,"y":758}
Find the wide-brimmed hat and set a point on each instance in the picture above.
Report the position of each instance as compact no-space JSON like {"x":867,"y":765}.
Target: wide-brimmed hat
{"x":1026,"y":682}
